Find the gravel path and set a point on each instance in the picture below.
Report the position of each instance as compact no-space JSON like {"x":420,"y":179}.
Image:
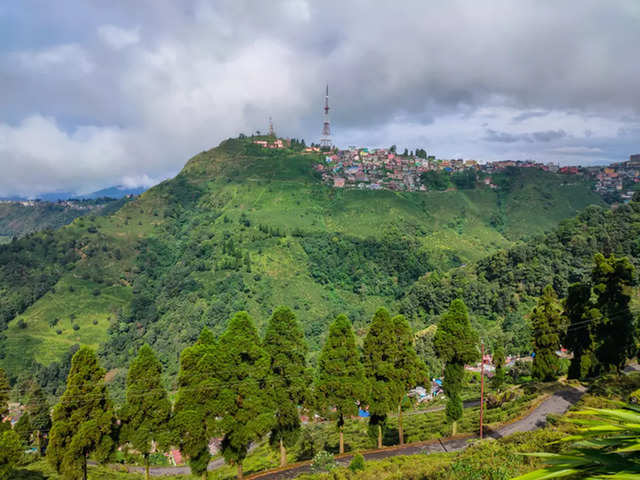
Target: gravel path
{"x":557,"y":403}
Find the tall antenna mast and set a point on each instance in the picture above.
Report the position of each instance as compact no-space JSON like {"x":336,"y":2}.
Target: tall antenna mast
{"x":272,"y":132}
{"x":325,"y":141}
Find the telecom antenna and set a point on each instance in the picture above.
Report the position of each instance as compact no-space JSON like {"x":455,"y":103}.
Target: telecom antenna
{"x":325,"y":141}
{"x":272,"y":131}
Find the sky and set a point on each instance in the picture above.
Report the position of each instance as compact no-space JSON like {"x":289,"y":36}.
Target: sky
{"x":95,"y":94}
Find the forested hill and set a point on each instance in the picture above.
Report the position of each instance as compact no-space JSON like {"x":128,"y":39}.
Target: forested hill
{"x":242,"y":227}
{"x":20,"y":218}
{"x":501,"y":288}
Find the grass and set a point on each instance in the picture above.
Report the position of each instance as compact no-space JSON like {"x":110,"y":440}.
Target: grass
{"x":73,"y":303}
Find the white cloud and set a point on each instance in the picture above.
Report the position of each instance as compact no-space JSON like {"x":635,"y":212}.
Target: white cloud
{"x":118,"y":38}
{"x":70,"y":57}
{"x":110,"y":104}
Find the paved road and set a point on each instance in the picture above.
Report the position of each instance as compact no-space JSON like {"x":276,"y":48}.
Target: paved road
{"x":558,"y":403}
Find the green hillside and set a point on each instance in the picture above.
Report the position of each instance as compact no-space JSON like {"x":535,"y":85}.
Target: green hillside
{"x":17,"y":220}
{"x":248,"y":228}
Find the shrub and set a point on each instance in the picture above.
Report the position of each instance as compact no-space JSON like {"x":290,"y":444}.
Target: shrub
{"x":96,"y":292}
{"x":76,"y":327}
{"x":323,"y":462}
{"x":22,"y":324}
{"x":59,"y":332}
{"x":357,"y":463}
{"x":95,"y":321}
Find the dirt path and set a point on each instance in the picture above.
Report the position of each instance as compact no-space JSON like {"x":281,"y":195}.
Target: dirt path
{"x":557,"y":403}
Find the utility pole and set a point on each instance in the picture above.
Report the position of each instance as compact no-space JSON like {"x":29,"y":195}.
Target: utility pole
{"x":481,"y":389}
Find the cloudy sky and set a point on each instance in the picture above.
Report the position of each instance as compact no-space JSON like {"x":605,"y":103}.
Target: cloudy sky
{"x":94,"y":93}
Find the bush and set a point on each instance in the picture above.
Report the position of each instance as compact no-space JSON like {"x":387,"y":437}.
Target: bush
{"x":22,"y":324}
{"x":323,"y":462}
{"x":95,"y":321}
{"x":357,"y":463}
{"x":59,"y":332}
{"x":96,"y":292}
{"x":76,"y":327}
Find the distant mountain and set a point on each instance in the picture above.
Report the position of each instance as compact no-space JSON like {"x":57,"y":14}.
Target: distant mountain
{"x":19,"y":218}
{"x":117,"y":191}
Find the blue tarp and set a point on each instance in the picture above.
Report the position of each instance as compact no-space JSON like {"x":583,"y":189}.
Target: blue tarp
{"x":363,"y":413}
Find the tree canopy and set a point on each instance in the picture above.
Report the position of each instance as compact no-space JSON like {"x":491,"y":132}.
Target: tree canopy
{"x":289,"y":376}
{"x":146,"y":414}
{"x":245,"y":406}
{"x":548,"y":326}
{"x":84,"y":420}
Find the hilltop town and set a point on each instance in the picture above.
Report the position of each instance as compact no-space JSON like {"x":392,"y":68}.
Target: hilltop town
{"x":385,"y":169}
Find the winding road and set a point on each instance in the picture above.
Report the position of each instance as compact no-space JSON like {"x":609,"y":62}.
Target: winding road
{"x":557,"y":403}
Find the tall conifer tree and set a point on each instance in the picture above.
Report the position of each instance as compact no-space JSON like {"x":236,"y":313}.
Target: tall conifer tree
{"x":340,"y":381}
{"x":289,"y":378}
{"x":582,"y":318}
{"x":147,"y":412}
{"x":39,"y":412}
{"x":408,"y":367}
{"x":498,"y":363}
{"x":194,"y":421}
{"x":84,"y":421}
{"x":616,"y":331}
{"x":245,"y":406}
{"x":548,"y":327}
{"x":10,"y":453}
{"x":456,"y":343}
{"x":378,"y":359}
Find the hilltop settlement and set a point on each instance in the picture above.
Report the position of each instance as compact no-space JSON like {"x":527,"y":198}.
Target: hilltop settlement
{"x":385,"y":169}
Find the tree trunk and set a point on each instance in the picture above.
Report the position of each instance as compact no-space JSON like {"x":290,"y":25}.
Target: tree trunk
{"x":84,"y":466}
{"x":283,"y":454}
{"x":379,"y":436}
{"x":240,"y":474}
{"x":400,"y":431}
{"x":146,"y":466}
{"x":341,"y":440}
{"x":454,"y":428}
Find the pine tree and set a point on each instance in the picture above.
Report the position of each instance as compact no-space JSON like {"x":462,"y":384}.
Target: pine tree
{"x":456,"y":344}
{"x":245,"y":406}
{"x":147,"y":412}
{"x":409,"y":368}
{"x":24,"y":429}
{"x":616,"y":331}
{"x":10,"y":453}
{"x":83,"y":421}
{"x":340,"y":381}
{"x":195,"y":409}
{"x":289,"y":376}
{"x":378,"y":359}
{"x":583,"y":318}
{"x":547,"y":322}
{"x":39,"y":411}
{"x":5,"y":390}
{"x":498,"y":362}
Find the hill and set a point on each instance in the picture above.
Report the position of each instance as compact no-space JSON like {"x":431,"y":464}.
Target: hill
{"x":20,"y":218}
{"x":242,"y":227}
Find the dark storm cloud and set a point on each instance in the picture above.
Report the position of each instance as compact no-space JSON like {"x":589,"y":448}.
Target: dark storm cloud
{"x":95,"y":92}
{"x":543,"y":136}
